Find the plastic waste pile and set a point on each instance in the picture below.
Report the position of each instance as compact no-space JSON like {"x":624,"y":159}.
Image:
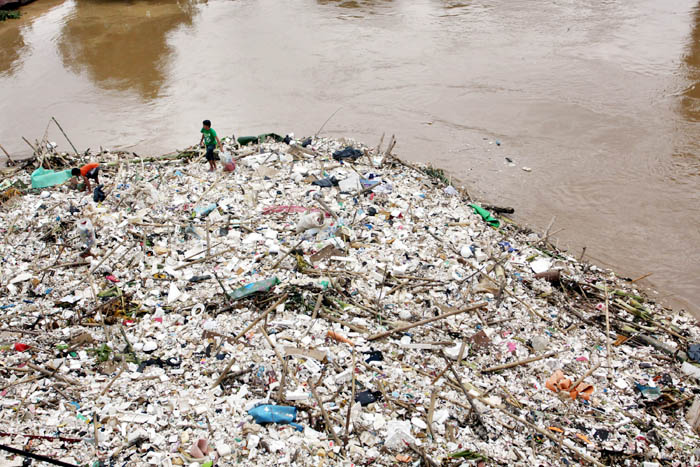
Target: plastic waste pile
{"x":323,"y":304}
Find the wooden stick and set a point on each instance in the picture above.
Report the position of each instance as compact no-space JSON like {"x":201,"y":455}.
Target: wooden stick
{"x":52,"y":374}
{"x":423,"y":455}
{"x":64,"y":134}
{"x":35,"y":456}
{"x":585,"y":375}
{"x":325,"y":314}
{"x":329,"y":427}
{"x":22,"y":331}
{"x":26,"y":380}
{"x":319,"y":200}
{"x":475,"y":409}
{"x":546,"y":232}
{"x":431,"y":410}
{"x":206,"y":258}
{"x":105,"y":257}
{"x":208,"y":190}
{"x":208,"y":242}
{"x":65,"y":265}
{"x":97,"y":439}
{"x":327,"y":120}
{"x":416,"y":278}
{"x":633,"y":280}
{"x":223,"y":289}
{"x":248,"y":328}
{"x":200,"y":251}
{"x":444,"y":370}
{"x":286,"y":254}
{"x":679,"y":401}
{"x":351,"y":401}
{"x":7,"y":154}
{"x":518,"y":363}
{"x":30,"y":144}
{"x":426,"y":321}
{"x":280,"y":395}
{"x":319,"y":300}
{"x":607,"y":331}
{"x":109,"y":385}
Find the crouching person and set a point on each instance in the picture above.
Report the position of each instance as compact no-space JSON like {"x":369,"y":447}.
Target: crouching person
{"x":88,"y":172}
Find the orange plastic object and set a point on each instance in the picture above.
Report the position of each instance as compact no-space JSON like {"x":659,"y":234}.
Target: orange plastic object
{"x":403,"y":458}
{"x":584,"y":390}
{"x":583,"y":438}
{"x":339,"y":337}
{"x":558,"y":382}
{"x":554,"y":428}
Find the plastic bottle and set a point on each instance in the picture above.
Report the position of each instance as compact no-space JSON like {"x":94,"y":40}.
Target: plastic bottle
{"x":87,"y":232}
{"x":275,"y":414}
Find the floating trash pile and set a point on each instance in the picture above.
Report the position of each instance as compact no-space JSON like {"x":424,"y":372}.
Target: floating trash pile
{"x":320,"y":303}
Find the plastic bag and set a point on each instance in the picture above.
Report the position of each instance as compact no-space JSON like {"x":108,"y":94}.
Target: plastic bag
{"x":228,"y":161}
{"x":313,"y":220}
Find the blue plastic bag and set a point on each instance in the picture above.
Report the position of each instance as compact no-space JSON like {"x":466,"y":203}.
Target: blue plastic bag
{"x":276,"y":414}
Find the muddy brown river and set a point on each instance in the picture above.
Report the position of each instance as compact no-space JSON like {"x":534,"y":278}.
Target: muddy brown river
{"x":597,"y":97}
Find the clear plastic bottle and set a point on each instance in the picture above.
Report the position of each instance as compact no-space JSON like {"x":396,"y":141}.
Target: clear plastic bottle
{"x":87,"y":232}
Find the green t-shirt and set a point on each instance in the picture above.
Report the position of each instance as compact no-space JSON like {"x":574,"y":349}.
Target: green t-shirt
{"x":209,"y":137}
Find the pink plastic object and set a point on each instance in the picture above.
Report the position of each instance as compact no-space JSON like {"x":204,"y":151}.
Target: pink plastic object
{"x":200,"y":449}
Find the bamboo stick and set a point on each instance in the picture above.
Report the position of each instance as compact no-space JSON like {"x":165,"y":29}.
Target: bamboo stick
{"x":426,"y":321}
{"x":352,"y":399}
{"x":105,"y":257}
{"x":30,"y":144}
{"x":431,"y":411}
{"x":64,"y":134}
{"x":607,"y":332}
{"x":52,"y":374}
{"x":280,"y":395}
{"x":206,"y":258}
{"x":585,"y":375}
{"x":7,"y":154}
{"x":518,"y":363}
{"x":287,"y":254}
{"x":469,"y":397}
{"x":329,"y":427}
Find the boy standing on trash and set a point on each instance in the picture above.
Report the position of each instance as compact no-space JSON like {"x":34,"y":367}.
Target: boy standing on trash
{"x":88,"y":171}
{"x":211,"y":141}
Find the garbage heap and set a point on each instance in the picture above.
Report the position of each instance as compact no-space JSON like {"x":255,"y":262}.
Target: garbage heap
{"x":322,"y":304}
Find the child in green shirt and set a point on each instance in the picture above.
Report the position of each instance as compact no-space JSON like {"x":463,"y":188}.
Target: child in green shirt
{"x":211,"y":140}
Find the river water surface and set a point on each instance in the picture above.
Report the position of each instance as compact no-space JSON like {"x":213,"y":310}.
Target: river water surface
{"x":597,"y":97}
